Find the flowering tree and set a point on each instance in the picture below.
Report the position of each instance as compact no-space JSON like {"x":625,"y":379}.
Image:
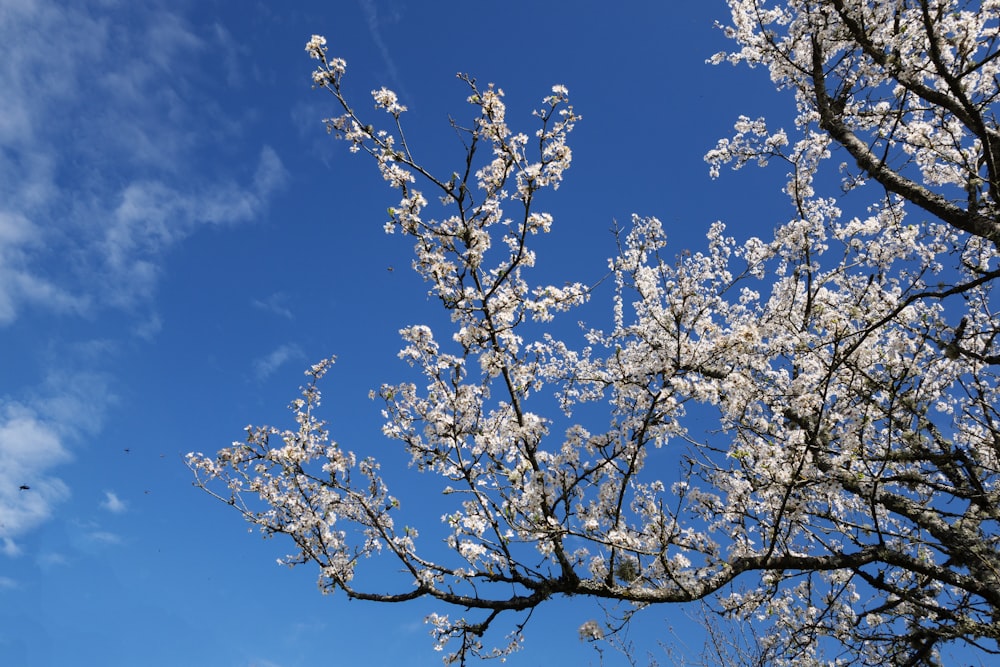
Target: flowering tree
{"x":846,"y":502}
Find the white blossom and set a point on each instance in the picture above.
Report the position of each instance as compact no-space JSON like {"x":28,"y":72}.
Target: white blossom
{"x":802,"y":424}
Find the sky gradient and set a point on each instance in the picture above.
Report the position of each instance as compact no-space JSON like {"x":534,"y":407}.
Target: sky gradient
{"x":180,"y":239}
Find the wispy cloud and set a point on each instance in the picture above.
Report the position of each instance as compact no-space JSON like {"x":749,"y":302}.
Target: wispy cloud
{"x":20,"y":285}
{"x":107,"y":134}
{"x":114,"y":149}
{"x":276,"y":304}
{"x":270,"y":176}
{"x":375,"y":23}
{"x":265,"y":366}
{"x":29,"y":449}
{"x":9,"y":548}
{"x":113,"y":503}
{"x":35,"y":440}
{"x":51,"y":559}
{"x":152,"y":216}
{"x":104,"y":537}
{"x":260,"y":662}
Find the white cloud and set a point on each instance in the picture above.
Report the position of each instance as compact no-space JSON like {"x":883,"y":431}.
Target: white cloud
{"x":9,"y":547}
{"x":51,"y":559}
{"x":148,"y":328}
{"x":260,"y":662}
{"x":74,"y":402}
{"x":35,"y":438}
{"x":271,"y":174}
{"x":29,"y":448}
{"x":375,"y":30}
{"x":276,"y":304}
{"x":113,"y":148}
{"x":113,"y":503}
{"x":151,"y":217}
{"x":104,"y":537}
{"x":20,"y":239}
{"x":170,"y":38}
{"x":268,"y":364}
{"x":47,"y":49}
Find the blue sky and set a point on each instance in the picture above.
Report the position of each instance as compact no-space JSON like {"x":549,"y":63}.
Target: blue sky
{"x":179,"y":239}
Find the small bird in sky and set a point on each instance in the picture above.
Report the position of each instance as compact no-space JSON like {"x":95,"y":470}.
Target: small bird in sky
{"x":25,"y":487}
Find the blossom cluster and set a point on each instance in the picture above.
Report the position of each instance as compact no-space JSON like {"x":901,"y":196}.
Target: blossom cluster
{"x":851,"y":474}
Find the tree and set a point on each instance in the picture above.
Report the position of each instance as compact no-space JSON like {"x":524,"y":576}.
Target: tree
{"x":847,"y":500}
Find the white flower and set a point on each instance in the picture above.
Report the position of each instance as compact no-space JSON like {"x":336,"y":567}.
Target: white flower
{"x":386,"y":99}
{"x":591,"y":631}
{"x":316,"y":47}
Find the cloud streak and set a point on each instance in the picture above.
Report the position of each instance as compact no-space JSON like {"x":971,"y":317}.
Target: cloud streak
{"x":276,"y":304}
{"x":375,"y":22}
{"x":107,"y":131}
{"x":151,"y":217}
{"x":35,"y":440}
{"x":113,"y":503}
{"x":114,"y":149}
{"x":265,"y":366}
{"x":29,"y":449}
